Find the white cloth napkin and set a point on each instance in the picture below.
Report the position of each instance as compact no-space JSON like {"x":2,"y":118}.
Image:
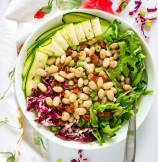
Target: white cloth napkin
{"x":15,"y":26}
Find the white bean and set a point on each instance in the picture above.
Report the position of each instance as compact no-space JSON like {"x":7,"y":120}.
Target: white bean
{"x":106,"y":62}
{"x":72,"y":97}
{"x":41,"y":72}
{"x":116,"y":56}
{"x":80,"y":82}
{"x":71,"y":119}
{"x":58,"y":78}
{"x":74,"y":53}
{"x":100,"y":82}
{"x":127,"y":80}
{"x":86,"y":50}
{"x":107,"y":85}
{"x":78,"y":72}
{"x":88,"y":59}
{"x":102,"y":73}
{"x":83,"y":96}
{"x":63,"y":74}
{"x":108,"y":53}
{"x":57,"y":61}
{"x":86,"y":90}
{"x":113,"y":64}
{"x":122,"y":78}
{"x":91,"y":50}
{"x":90,"y":68}
{"x":127,"y":87}
{"x":52,"y":69}
{"x":70,"y":76}
{"x":92,"y":85}
{"x":85,"y":82}
{"x":110,"y":95}
{"x":67,"y":60}
{"x":80,"y":111}
{"x":65,"y":116}
{"x":49,"y":101}
{"x":56,"y":101}
{"x":90,"y":76}
{"x":104,"y":100}
{"x":102,"y":54}
{"x":51,"y":60}
{"x":82,"y":55}
{"x":65,"y":100}
{"x":63,"y":58}
{"x":57,"y":89}
{"x":114,"y":45}
{"x":101,"y":93}
{"x":87,"y":103}
{"x":114,"y":90}
{"x":67,"y":93}
{"x":76,"y":116}
{"x":42,"y":87}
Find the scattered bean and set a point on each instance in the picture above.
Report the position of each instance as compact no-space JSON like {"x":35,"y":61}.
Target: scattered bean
{"x":86,"y":90}
{"x":57,"y":61}
{"x":87,"y":103}
{"x":57,"y":89}
{"x":56,"y":101}
{"x":102,"y":54}
{"x":67,"y":60}
{"x":80,"y":82}
{"x":116,"y":56}
{"x":72,"y":97}
{"x":80,"y":111}
{"x":92,"y":51}
{"x":71,"y":119}
{"x":114,"y":45}
{"x":92,"y":85}
{"x":106,"y":62}
{"x":82,"y":55}
{"x":67,"y":93}
{"x":63,"y":58}
{"x":74,"y":54}
{"x":42,"y":87}
{"x":113,"y":64}
{"x":114,"y":90}
{"x":88,"y":59}
{"x":122,"y":78}
{"x":127,"y":87}
{"x":52,"y":69}
{"x":127,"y":80}
{"x":62,"y":74}
{"x":90,"y":68}
{"x":101,"y":93}
{"x":110,"y":95}
{"x":100,"y":82}
{"x":78,"y":72}
{"x":70,"y":75}
{"x":107,"y":85}
{"x":104,"y":99}
{"x":65,"y":100}
{"x":58,"y":78}
{"x":85,"y":82}
{"x":83,"y":96}
{"x":65,"y":116}
{"x":51,"y":60}
{"x":41,"y":72}
{"x":49,"y":101}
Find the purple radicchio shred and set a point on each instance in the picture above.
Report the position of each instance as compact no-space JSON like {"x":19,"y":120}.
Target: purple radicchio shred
{"x":152,"y":9}
{"x":71,"y":132}
{"x":81,"y":157}
{"x":140,"y":19}
{"x":137,"y":6}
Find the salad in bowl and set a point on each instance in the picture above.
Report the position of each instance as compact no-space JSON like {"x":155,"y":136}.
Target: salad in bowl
{"x":82,"y":79}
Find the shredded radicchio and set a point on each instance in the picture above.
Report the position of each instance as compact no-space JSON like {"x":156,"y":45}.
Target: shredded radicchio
{"x":81,"y":157}
{"x":152,"y":9}
{"x":71,"y":132}
{"x":137,"y":6}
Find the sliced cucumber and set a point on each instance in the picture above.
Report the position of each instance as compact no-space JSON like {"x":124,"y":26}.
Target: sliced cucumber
{"x":66,"y":37}
{"x":87,"y":28}
{"x":61,"y":41}
{"x":72,"y":34}
{"x":96,"y":26}
{"x":55,"y":47}
{"x":74,"y":17}
{"x":46,"y":49}
{"x":27,"y":65}
{"x":80,"y":33}
{"x":33,"y":79}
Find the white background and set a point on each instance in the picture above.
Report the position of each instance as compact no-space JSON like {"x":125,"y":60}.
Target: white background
{"x":147,"y":135}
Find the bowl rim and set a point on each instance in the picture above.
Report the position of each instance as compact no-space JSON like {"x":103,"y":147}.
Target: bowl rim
{"x":62,"y":143}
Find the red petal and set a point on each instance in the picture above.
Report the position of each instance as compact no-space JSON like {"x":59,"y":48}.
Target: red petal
{"x":107,"y":9}
{"x":39,"y":14}
{"x":107,"y":3}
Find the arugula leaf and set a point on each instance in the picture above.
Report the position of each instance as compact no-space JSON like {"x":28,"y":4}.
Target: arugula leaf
{"x":98,"y":136}
{"x":101,"y":107}
{"x":110,"y":131}
{"x":93,"y":118}
{"x":138,"y":78}
{"x":112,"y":33}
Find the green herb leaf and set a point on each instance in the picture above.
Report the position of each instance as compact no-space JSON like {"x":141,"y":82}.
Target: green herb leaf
{"x":93,"y":118}
{"x":98,"y":136}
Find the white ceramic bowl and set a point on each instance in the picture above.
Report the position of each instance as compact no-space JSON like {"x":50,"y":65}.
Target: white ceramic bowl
{"x":146,"y":101}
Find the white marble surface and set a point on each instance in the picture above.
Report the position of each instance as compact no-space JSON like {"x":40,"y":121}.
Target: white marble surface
{"x":147,"y":143}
